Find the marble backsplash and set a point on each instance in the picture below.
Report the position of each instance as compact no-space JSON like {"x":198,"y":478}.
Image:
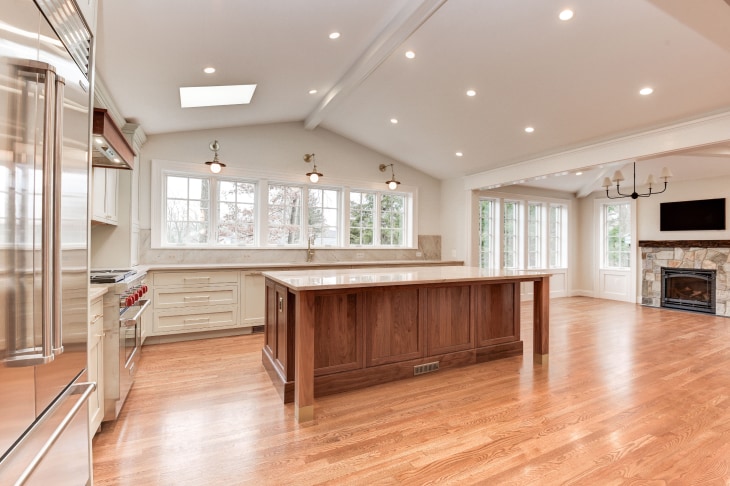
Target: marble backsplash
{"x":429,"y":248}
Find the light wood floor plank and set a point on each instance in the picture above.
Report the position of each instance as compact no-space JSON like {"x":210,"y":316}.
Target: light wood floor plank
{"x":631,"y":395}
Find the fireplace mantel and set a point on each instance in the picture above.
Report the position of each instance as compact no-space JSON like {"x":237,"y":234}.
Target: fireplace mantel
{"x":684,"y":244}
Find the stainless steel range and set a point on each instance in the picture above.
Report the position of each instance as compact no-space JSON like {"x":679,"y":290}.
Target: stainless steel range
{"x":125,"y":304}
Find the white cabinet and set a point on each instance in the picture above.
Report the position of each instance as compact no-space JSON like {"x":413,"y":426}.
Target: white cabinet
{"x":253,"y":298}
{"x":95,"y":363}
{"x":105,"y":194}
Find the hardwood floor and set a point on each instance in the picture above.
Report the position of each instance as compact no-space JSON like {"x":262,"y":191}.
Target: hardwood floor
{"x":632,"y":395}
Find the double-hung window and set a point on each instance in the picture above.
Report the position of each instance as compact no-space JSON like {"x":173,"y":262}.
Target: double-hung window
{"x":392,"y":219}
{"x":324,"y":216}
{"x":285,"y":214}
{"x":617,"y":235}
{"x":511,"y":234}
{"x":487,"y":232}
{"x":535,"y":237}
{"x":236,"y":213}
{"x":362,"y":218}
{"x":187,"y":210}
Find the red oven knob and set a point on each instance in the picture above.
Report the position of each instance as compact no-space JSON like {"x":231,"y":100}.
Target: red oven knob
{"x":129,"y":300}
{"x":145,"y":289}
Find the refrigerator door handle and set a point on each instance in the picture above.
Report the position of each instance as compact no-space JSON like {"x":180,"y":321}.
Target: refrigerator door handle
{"x":57,"y":327}
{"x":85,"y":389}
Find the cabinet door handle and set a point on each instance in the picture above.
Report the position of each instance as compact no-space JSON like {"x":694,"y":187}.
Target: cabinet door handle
{"x":196,"y":298}
{"x":281,"y":304}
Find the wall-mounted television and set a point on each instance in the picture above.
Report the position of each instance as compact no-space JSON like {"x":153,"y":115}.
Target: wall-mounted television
{"x":700,"y":215}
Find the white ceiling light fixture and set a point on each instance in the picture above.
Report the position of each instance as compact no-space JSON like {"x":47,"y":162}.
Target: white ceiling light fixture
{"x":566,"y":14}
{"x":579,"y":173}
{"x":529,"y":129}
{"x":392,"y":183}
{"x":646,"y":91}
{"x":334,"y":35}
{"x":410,"y":54}
{"x":459,"y":154}
{"x":215,"y":164}
{"x":315,"y":174}
{"x":209,"y":70}
{"x":618,"y":177}
{"x":312,"y":91}
{"x":471,"y":92}
{"x":394,"y":121}
{"x":198,"y":96}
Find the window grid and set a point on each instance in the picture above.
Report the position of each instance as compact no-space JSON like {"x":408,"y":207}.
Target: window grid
{"x":556,"y":235}
{"x":236,"y":213}
{"x":284,"y":214}
{"x":392,"y":219}
{"x":323,"y":206}
{"x":362,"y":218}
{"x":187,"y":210}
{"x":617,"y":235}
{"x":511,"y":222}
{"x":486,"y":232}
{"x":534,"y":235}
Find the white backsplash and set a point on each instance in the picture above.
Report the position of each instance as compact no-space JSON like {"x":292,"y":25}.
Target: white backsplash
{"x":429,"y":248}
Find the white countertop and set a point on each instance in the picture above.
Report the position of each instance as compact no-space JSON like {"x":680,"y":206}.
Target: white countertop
{"x":96,"y":291}
{"x":382,"y":277}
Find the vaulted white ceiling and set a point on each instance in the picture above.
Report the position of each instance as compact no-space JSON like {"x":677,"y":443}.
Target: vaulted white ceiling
{"x":576,"y":82}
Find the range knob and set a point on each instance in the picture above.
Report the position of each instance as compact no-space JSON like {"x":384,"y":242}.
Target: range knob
{"x":129,"y":300}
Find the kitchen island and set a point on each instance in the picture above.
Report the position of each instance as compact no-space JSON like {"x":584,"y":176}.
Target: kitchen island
{"x":328,"y":331}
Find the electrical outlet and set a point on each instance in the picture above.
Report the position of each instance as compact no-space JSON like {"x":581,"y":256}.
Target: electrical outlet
{"x":360,"y":255}
{"x":419,"y":254}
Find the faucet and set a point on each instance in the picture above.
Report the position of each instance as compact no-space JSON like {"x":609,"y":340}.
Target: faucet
{"x":310,"y":250}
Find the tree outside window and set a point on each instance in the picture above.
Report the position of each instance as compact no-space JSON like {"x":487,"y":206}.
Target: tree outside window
{"x":362,"y":218}
{"x":324,"y":213}
{"x":511,"y":234}
{"x":285,"y":215}
{"x":236,"y":213}
{"x":392,"y":219}
{"x":617,"y":235}
{"x":486,"y":232}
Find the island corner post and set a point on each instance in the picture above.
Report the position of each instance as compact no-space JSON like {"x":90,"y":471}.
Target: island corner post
{"x":297,"y":309}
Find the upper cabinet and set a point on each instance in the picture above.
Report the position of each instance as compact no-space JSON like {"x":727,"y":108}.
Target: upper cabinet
{"x":105,"y":196}
{"x":89,"y":10}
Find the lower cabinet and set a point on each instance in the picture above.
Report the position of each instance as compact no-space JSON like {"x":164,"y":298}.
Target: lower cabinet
{"x":206,"y":300}
{"x":95,"y":363}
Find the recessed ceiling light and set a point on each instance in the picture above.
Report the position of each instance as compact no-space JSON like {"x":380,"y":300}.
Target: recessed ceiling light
{"x":529,"y":129}
{"x":646,"y":91}
{"x":566,"y":14}
{"x":471,"y":92}
{"x":459,"y":154}
{"x":410,"y":54}
{"x":312,"y":91}
{"x":194,"y":96}
{"x":209,"y":70}
{"x":578,"y":173}
{"x":394,"y":121}
{"x":335,"y":35}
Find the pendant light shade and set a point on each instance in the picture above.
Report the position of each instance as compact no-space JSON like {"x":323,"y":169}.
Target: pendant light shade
{"x":215,"y":165}
{"x":314,"y":175}
{"x":392,"y":183}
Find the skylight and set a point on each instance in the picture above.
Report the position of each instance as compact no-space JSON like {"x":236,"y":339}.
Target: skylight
{"x":237,"y":94}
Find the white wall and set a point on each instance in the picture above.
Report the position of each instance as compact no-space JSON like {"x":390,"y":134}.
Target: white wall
{"x":279,"y":147}
{"x":455,"y":215}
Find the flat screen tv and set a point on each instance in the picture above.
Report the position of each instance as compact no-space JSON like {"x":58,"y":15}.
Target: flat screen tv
{"x":703,"y":214}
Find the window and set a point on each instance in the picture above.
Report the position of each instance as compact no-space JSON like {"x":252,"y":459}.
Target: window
{"x":392,"y":219}
{"x":617,"y":235}
{"x":236,"y":213}
{"x":362,"y":218}
{"x":557,"y":239}
{"x":511,"y":221}
{"x":238,"y":210}
{"x":285,"y":215}
{"x":187,"y":210}
{"x":534,"y":235}
{"x":324,"y":214}
{"x":486,"y":232}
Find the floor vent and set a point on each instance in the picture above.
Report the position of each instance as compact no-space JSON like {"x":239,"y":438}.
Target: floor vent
{"x":425,"y":368}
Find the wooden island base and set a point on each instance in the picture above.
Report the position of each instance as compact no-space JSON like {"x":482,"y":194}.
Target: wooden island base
{"x":331,"y":340}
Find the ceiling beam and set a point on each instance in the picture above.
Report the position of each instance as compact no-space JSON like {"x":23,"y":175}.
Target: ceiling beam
{"x":400,"y":28}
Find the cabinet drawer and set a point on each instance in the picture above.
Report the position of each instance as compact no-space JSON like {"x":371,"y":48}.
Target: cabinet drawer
{"x":96,"y":316}
{"x":202,"y":320}
{"x":195,"y":278}
{"x":203,"y":296}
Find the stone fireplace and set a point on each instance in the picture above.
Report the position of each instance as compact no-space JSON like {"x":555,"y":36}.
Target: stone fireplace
{"x":697,"y":255}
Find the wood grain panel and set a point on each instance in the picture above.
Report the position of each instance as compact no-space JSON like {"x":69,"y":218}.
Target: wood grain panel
{"x":495,"y":315}
{"x":270,"y":331}
{"x":393,"y":325}
{"x":448,"y":319}
{"x":338,"y":333}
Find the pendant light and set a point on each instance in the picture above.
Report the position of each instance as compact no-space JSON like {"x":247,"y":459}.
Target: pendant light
{"x":215,"y":164}
{"x":618,"y":177}
{"x":314,"y":175}
{"x":392,"y":183}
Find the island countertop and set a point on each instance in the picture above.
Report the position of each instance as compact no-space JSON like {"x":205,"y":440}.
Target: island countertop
{"x":380,"y":277}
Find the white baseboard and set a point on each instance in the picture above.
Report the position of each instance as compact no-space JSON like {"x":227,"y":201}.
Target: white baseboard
{"x":581,"y":293}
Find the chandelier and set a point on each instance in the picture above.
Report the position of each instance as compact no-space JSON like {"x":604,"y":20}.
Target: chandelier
{"x":618,"y":177}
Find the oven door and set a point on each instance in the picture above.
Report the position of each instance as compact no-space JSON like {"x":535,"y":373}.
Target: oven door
{"x":130,"y":343}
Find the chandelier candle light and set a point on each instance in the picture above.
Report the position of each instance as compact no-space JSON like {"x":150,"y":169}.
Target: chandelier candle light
{"x":215,"y":164}
{"x":314,"y":175}
{"x":392,"y":183}
{"x":618,"y":177}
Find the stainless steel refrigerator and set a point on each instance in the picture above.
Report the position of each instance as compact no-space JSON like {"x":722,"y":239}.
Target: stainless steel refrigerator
{"x":45,"y":52}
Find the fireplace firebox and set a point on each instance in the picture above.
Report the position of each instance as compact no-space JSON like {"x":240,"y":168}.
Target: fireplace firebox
{"x":688,"y":289}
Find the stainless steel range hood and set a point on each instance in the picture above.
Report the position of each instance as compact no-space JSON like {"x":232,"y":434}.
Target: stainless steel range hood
{"x":111,"y":149}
